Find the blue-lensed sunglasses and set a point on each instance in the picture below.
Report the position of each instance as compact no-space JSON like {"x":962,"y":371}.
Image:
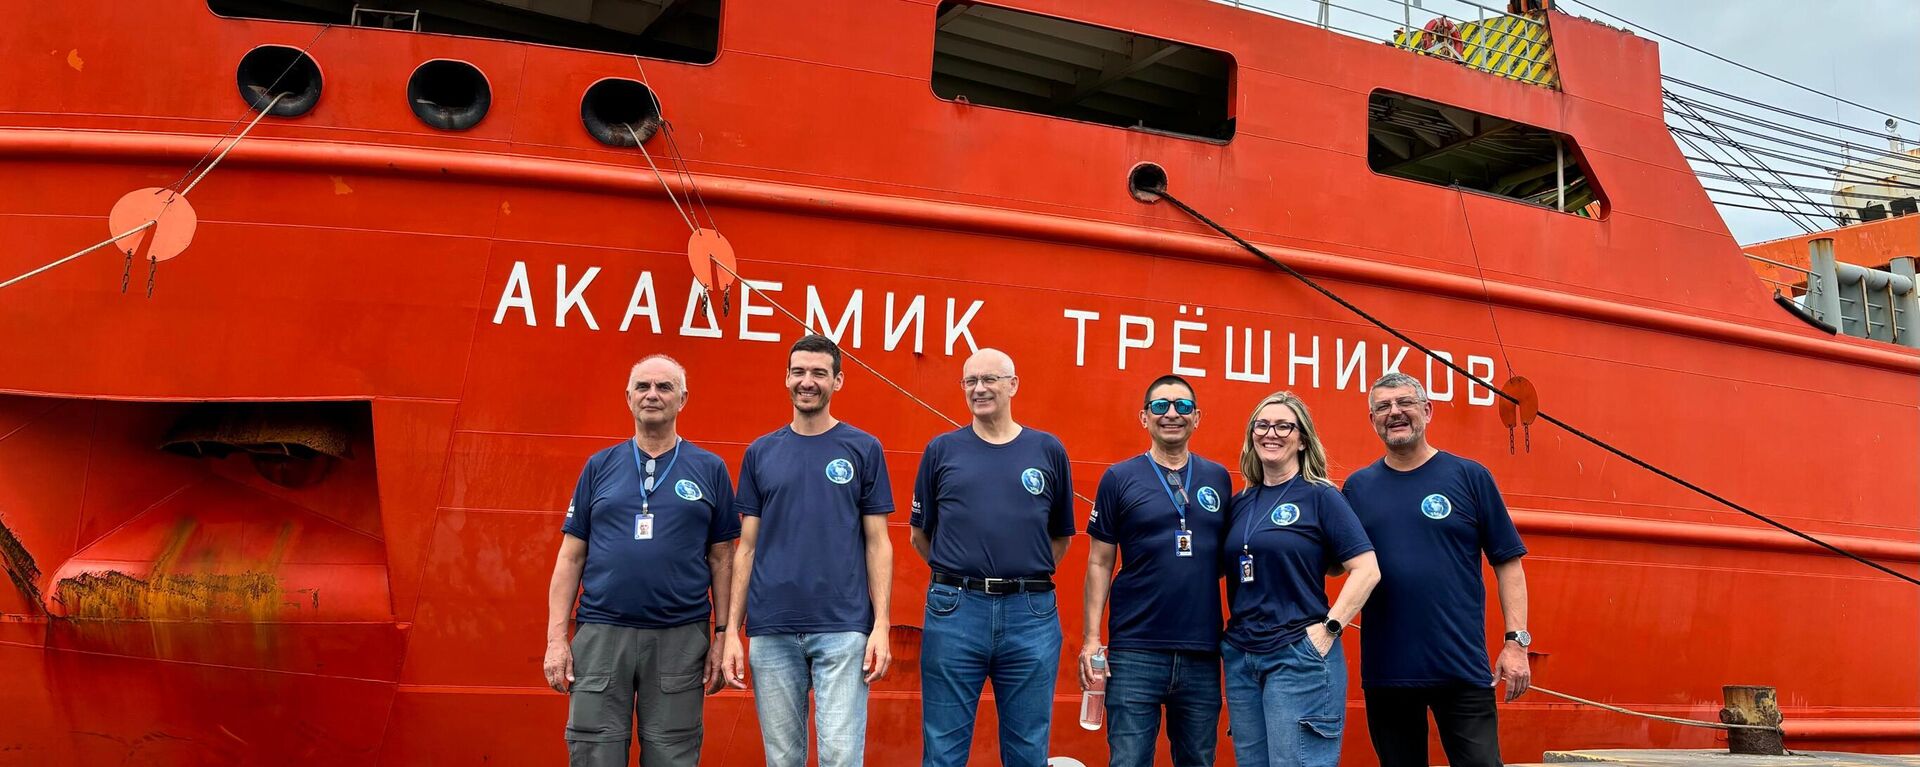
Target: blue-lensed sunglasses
{"x":1160,"y":406}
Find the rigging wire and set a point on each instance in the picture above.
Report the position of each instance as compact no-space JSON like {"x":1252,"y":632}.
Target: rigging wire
{"x":1790,"y":200}
{"x":1909,"y":169}
{"x":243,"y":115}
{"x":1798,"y":219}
{"x":1793,"y":158}
{"x":1543,"y":414}
{"x":1723,"y":59}
{"x":1771,"y":107}
{"x":1829,"y":176}
{"x":1894,"y":161}
{"x":1838,"y":221}
{"x":1814,"y":190}
{"x":81,"y":252}
{"x":152,"y":222}
{"x":1783,"y":127}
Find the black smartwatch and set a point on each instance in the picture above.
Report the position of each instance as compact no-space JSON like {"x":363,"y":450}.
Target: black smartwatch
{"x":1333,"y":627}
{"x":719,"y":628}
{"x":1522,"y":637}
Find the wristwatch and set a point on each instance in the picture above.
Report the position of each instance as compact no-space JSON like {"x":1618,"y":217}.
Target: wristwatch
{"x":1522,"y":637}
{"x":719,"y":628}
{"x":1333,"y":627}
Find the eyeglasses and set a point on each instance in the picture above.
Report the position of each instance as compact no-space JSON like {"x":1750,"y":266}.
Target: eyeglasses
{"x":1403,"y":403}
{"x":648,"y":484}
{"x":1279,"y":428}
{"x":1181,"y":406}
{"x":1179,"y":490}
{"x":988,"y":380}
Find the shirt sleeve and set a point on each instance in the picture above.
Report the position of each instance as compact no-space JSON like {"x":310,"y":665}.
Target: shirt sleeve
{"x":1345,"y":539}
{"x":580,"y":506}
{"x":746,"y":502}
{"x":1106,"y":506}
{"x":1060,"y":522}
{"x":926,"y":510}
{"x":725,"y":525}
{"x":1498,"y":537}
{"x":876,"y":489}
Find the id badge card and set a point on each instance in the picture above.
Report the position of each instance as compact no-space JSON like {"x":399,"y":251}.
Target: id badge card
{"x":643,"y":527}
{"x":1246,"y":568}
{"x":1183,"y":544}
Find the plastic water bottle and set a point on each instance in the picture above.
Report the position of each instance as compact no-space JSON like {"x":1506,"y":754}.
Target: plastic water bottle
{"x":1093,"y":702}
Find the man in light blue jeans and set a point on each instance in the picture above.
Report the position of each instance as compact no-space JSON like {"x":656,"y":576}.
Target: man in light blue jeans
{"x":992,"y":515}
{"x":813,"y":571}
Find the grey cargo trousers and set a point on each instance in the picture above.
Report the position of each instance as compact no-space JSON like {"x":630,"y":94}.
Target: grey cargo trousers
{"x":620,"y":671}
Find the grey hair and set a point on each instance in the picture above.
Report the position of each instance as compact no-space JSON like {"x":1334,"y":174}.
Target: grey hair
{"x":669,"y":360}
{"x":1397,"y":380}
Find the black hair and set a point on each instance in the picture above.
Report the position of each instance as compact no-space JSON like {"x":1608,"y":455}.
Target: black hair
{"x":814,"y":342}
{"x":1169,"y":379}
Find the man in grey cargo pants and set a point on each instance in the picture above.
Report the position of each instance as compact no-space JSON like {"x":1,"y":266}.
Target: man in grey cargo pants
{"x":648,"y":534}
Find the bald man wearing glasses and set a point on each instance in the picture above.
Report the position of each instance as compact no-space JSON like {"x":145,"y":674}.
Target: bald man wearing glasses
{"x":648,"y":535}
{"x":992,"y":515}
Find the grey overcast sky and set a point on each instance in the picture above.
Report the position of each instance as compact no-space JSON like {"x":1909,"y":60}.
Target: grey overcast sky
{"x":1867,"y":51}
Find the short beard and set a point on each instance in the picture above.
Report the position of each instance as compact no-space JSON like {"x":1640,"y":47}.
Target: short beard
{"x":820,"y":405}
{"x":1411,"y":439}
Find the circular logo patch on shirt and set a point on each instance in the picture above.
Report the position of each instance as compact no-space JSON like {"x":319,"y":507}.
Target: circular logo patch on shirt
{"x":1436,"y":506}
{"x":687,"y":489}
{"x":840,"y":471}
{"x":1209,"y":499}
{"x":1033,"y":481}
{"x":1286,"y":514}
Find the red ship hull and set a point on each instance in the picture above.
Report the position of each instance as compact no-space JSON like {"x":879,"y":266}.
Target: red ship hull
{"x":482,"y":294}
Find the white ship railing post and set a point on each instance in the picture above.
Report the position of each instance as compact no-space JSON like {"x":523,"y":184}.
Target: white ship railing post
{"x":1823,"y":283}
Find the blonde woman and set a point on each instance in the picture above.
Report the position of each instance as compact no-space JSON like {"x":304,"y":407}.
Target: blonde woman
{"x":1286,"y":677}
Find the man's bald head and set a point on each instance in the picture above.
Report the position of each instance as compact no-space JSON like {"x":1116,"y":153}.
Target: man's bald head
{"x":989,"y":382}
{"x":989,"y":361}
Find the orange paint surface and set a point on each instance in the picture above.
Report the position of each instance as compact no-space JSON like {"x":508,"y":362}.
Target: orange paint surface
{"x":191,"y":611}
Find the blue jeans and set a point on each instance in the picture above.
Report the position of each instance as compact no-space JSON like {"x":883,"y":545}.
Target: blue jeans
{"x":1186,"y":683}
{"x":784,"y":667}
{"x":1286,"y":708}
{"x":971,"y":637}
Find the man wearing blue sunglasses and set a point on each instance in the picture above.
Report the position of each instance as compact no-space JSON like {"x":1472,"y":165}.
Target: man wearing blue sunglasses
{"x":1163,"y":512}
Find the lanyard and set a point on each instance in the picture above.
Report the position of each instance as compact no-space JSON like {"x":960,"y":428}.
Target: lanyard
{"x":1186,"y":483}
{"x":1246,"y":541}
{"x":647,"y":495}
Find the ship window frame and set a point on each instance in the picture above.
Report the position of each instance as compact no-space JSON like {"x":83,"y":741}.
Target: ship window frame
{"x":1574,"y":159}
{"x":1228,"y":99}
{"x":718,"y":42}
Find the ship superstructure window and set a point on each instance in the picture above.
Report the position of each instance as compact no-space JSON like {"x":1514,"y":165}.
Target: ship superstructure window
{"x":1059,"y":68}
{"x":1427,"y":141}
{"x":676,"y":30}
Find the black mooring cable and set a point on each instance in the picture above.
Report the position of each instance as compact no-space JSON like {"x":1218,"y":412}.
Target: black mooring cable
{"x":1161,"y":191}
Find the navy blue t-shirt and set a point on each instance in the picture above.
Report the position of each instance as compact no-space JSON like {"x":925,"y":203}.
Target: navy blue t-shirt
{"x":1296,"y":531}
{"x":661,"y":582}
{"x":810,"y":556}
{"x":991,"y":511}
{"x":1161,"y":600}
{"x":1426,"y":621}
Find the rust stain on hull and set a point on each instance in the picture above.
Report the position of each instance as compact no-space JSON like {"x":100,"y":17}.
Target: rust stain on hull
{"x":118,"y":596}
{"x":253,"y":592}
{"x":21,"y":568}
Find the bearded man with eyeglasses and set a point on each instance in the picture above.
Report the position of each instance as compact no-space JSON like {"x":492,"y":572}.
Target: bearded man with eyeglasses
{"x":1431,"y":515}
{"x":992,"y":515}
{"x":1163,"y":512}
{"x":648,"y":535}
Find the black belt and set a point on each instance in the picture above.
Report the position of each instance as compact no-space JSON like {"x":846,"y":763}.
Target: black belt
{"x":994,"y":585}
